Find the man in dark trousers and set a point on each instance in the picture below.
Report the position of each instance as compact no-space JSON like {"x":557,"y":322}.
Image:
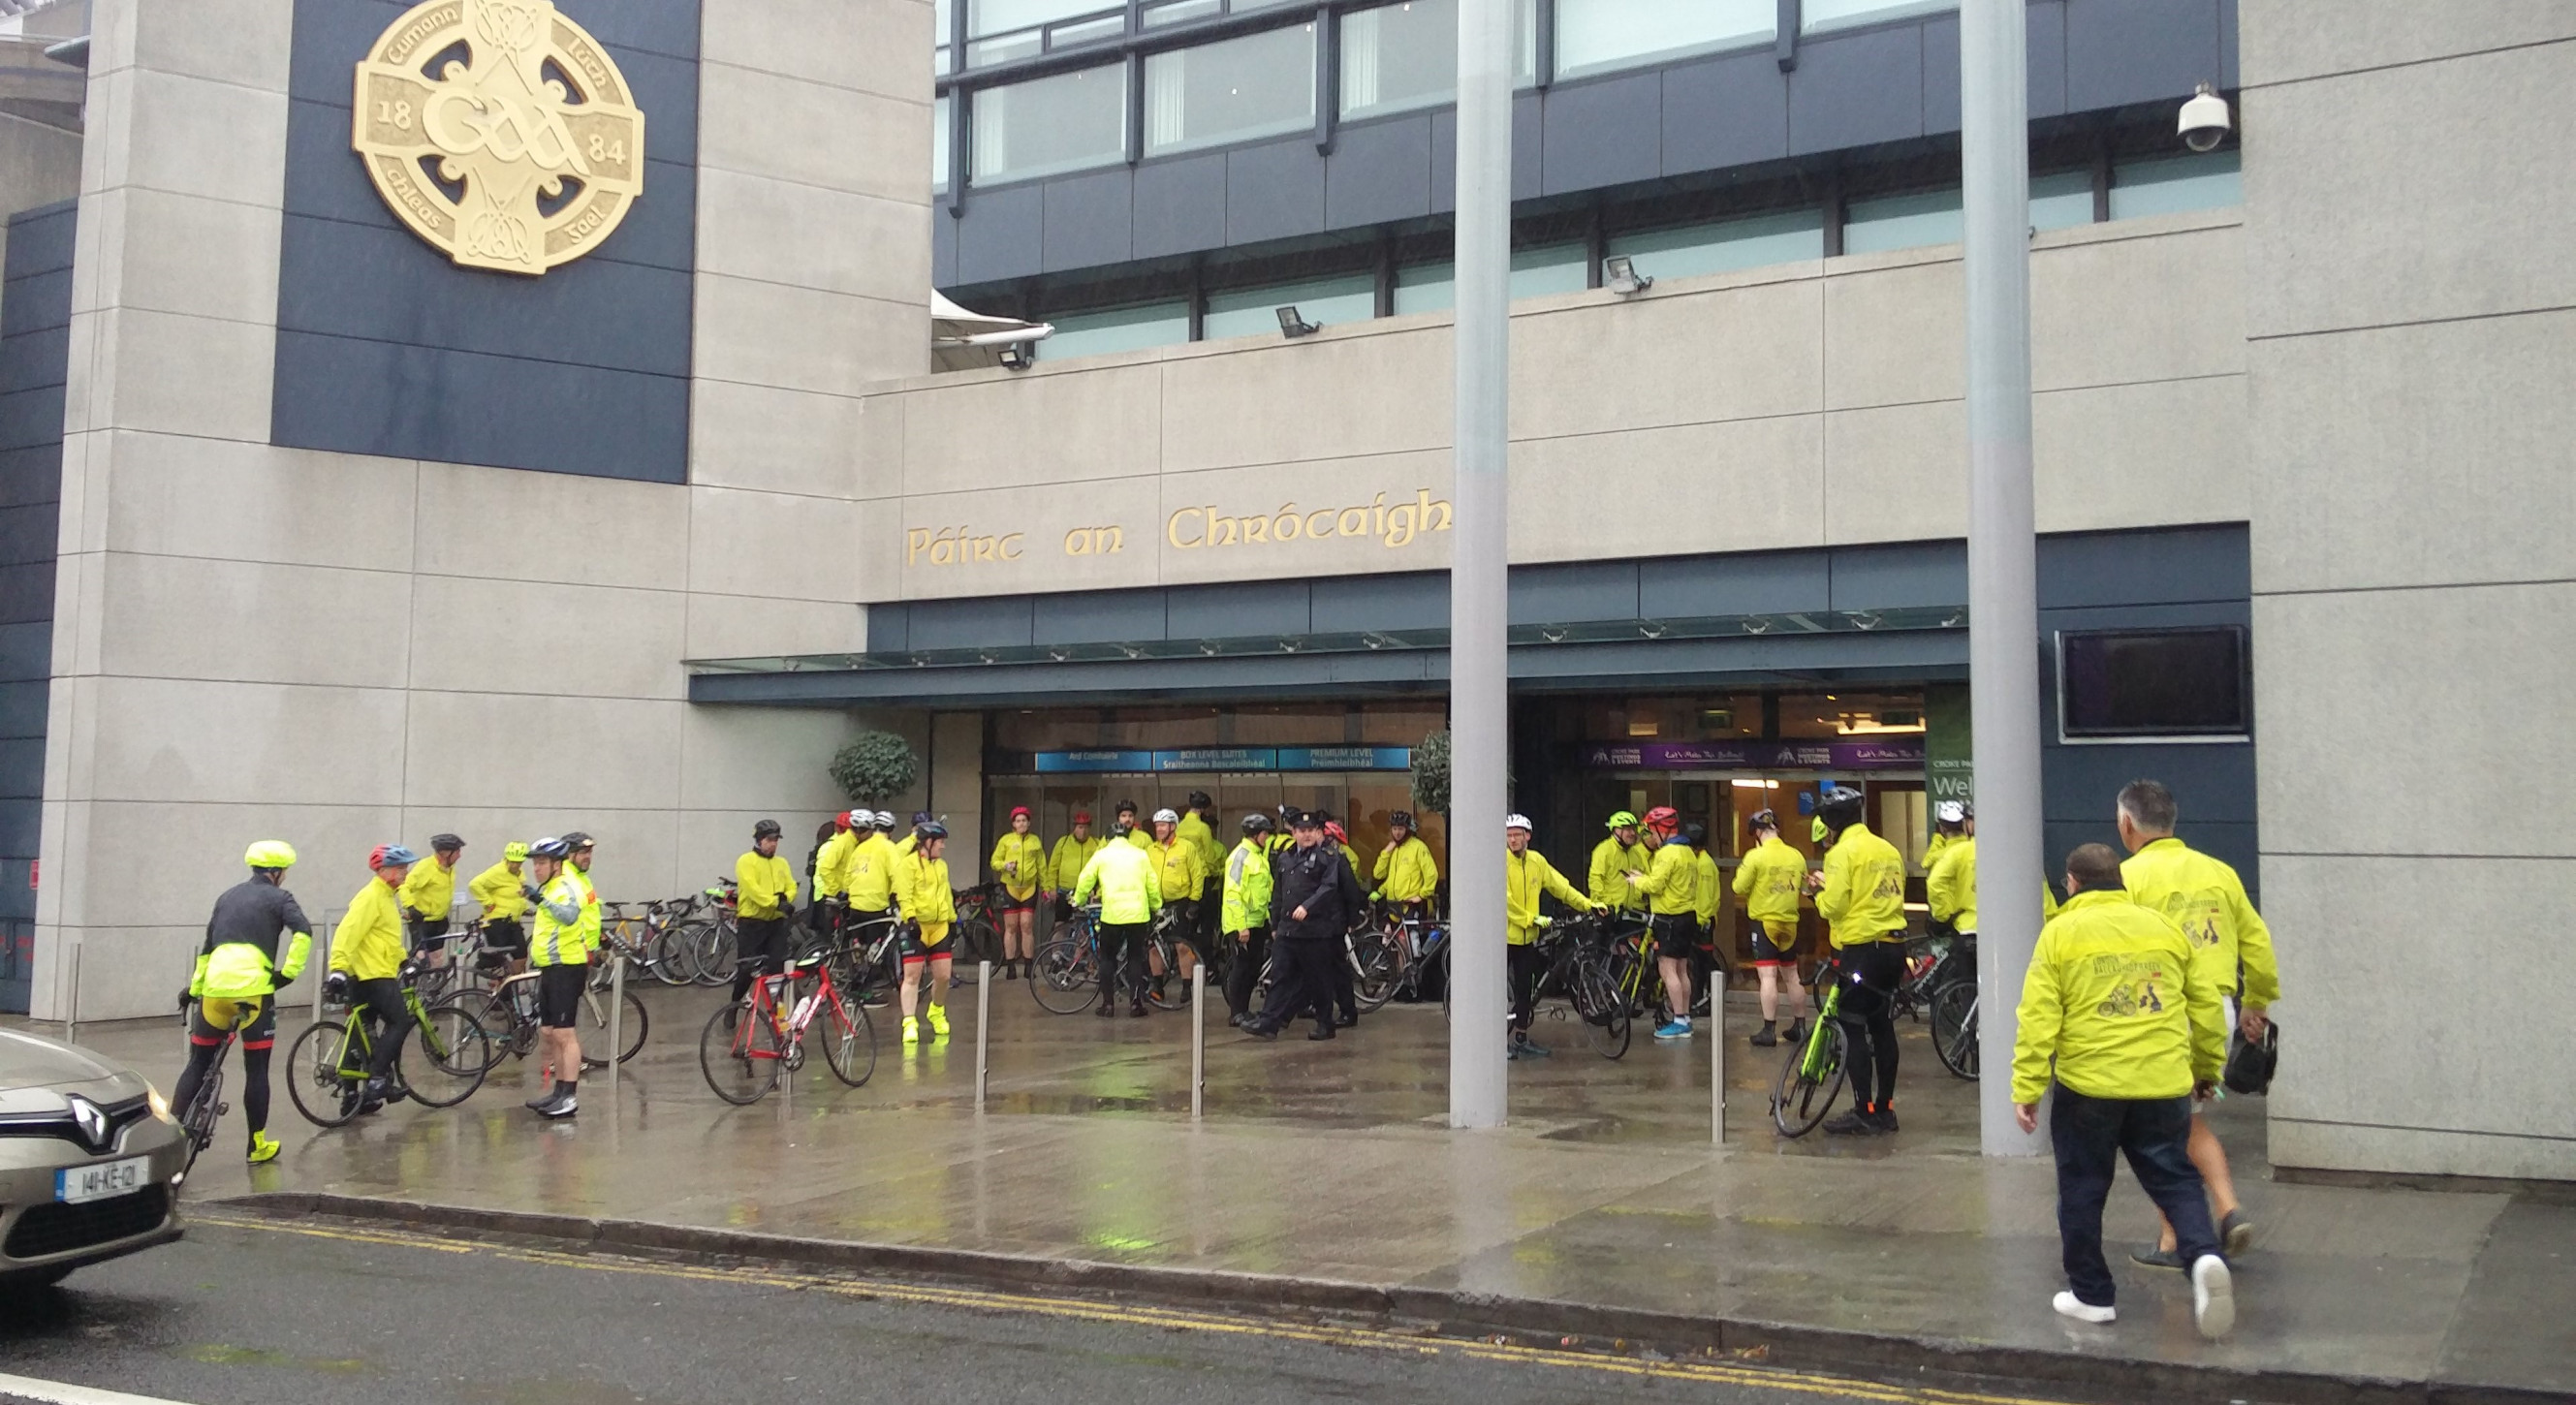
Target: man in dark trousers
{"x":1314,"y":895}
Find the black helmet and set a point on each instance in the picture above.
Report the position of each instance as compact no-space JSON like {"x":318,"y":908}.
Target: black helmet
{"x":1256,"y":823}
{"x":1401,"y":819}
{"x":933,"y":829}
{"x":1695,"y":834}
{"x":1764,"y":819}
{"x":445,"y":841}
{"x":1200,"y":800}
{"x":577,"y":841}
{"x":1839,"y":807}
{"x":1127,"y":807}
{"x":922,"y":817}
{"x":766,"y":829}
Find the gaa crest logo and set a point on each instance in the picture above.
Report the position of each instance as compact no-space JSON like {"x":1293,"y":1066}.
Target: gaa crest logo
{"x":499,"y":131}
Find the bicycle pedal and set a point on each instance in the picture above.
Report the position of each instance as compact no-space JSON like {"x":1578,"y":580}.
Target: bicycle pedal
{"x":223,"y":1109}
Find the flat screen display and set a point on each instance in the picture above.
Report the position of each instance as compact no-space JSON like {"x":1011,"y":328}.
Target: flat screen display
{"x":2154,"y":683}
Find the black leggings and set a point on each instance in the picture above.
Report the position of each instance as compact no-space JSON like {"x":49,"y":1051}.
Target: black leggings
{"x":201,"y":1062}
{"x":1122,"y":959}
{"x":1528,"y":963}
{"x":1243,"y":969}
{"x":1869,"y":975}
{"x":760,"y":945}
{"x":388,"y":1021}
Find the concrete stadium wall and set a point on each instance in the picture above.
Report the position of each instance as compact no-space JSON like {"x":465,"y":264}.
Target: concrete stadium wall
{"x":2411,"y":341}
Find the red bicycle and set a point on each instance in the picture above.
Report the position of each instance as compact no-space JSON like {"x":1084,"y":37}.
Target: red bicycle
{"x":746,"y":1044}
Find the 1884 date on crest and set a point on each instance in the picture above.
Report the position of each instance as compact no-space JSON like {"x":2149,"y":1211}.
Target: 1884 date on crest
{"x":499,"y":131}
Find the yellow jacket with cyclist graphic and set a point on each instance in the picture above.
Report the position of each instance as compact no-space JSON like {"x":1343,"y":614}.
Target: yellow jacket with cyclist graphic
{"x":429,"y":889}
{"x":497,"y":889}
{"x":1130,"y":889}
{"x":1607,"y":881}
{"x":1527,"y":876}
{"x":1177,"y":865}
{"x":567,"y":929}
{"x":2206,"y":898}
{"x":764,"y":886}
{"x":871,"y":874}
{"x":1768,"y":878}
{"x":832,"y":864}
{"x":368,"y":943}
{"x":1951,"y":887}
{"x":1065,"y":861}
{"x":1671,"y":882}
{"x":1026,"y":850}
{"x":921,"y":885}
{"x":2116,"y":999}
{"x":1863,"y":899}
{"x":1405,"y":872}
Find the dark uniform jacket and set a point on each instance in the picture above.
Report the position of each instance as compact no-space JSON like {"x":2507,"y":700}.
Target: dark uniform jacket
{"x":1319,"y":880}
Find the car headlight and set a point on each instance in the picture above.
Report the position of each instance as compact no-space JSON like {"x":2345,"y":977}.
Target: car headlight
{"x":160,"y":1104}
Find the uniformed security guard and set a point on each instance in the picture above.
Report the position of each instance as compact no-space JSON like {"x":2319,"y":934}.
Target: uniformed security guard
{"x":237,"y":979}
{"x":1314,"y":898}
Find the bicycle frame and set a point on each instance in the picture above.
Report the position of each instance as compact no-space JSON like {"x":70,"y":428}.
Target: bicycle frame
{"x":762,"y":1003}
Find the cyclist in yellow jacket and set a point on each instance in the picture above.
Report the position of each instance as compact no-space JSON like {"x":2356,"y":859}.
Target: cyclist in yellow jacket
{"x":2207,"y":900}
{"x":505,"y":908}
{"x":1527,"y":877}
{"x":366,"y":967}
{"x":1131,"y":892}
{"x":1861,"y":896}
{"x":1177,"y":867}
{"x":239,"y":972}
{"x":764,"y":894}
{"x":560,"y":945}
{"x":1245,"y":920}
{"x":2117,"y":1012}
{"x":1670,"y":883}
{"x":1199,"y":832}
{"x":1406,"y":877}
{"x":930,"y":905}
{"x":1769,"y":878}
{"x":1019,"y":865}
{"x":1064,"y":863}
{"x":1708,"y":899}
{"x":830,"y":890}
{"x":1612,"y":860}
{"x":430,"y":893}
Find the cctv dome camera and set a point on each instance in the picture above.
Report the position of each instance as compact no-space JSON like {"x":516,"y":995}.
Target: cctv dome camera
{"x":2205,"y":122}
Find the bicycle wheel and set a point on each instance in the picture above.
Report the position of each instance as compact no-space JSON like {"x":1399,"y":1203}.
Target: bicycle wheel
{"x":326,"y":1096}
{"x":1373,"y":977}
{"x":675,"y":959}
{"x":199,"y":1117}
{"x":849,"y":1041}
{"x":1800,"y":1101}
{"x":741,"y":1063}
{"x":1607,"y":1027}
{"x":451,"y":1057}
{"x":716,"y":954}
{"x":977,"y":939}
{"x":1066,"y":972}
{"x":594,"y":1022}
{"x":1954,"y":1028}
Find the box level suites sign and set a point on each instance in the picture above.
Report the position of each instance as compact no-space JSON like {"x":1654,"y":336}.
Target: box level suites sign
{"x":499,"y":131}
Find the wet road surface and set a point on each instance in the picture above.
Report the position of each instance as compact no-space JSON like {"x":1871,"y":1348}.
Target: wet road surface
{"x":282,"y":1314}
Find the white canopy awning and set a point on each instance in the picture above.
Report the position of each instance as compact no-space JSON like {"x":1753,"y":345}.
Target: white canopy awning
{"x":951,"y":325}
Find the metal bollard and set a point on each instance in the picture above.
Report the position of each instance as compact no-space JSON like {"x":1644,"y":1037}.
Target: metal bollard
{"x":1717,"y":1057}
{"x":983,"y":1028}
{"x":616,"y":1019}
{"x":1198,"y":1042}
{"x":320,"y":967}
{"x":71,"y":1006}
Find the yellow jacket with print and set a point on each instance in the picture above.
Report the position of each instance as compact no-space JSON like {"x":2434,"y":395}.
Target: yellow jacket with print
{"x":497,"y":889}
{"x":1951,"y":887}
{"x":1864,"y":894}
{"x":567,"y":930}
{"x":1405,"y":872}
{"x":764,"y":888}
{"x":2207,"y":899}
{"x":1671,"y":883}
{"x":429,"y":889}
{"x":368,"y":943}
{"x":921,"y":885}
{"x":2115,"y":997}
{"x":1527,"y":876}
{"x":871,"y":874}
{"x":832,"y":864}
{"x":1607,"y":881}
{"x":1065,"y":861}
{"x":1768,"y":878}
{"x":1177,"y":865}
{"x":1026,"y":850}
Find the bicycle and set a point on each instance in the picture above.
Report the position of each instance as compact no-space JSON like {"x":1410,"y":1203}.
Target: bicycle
{"x":1428,"y":945}
{"x":1813,"y":1077}
{"x":1633,"y":973}
{"x":714,"y":951}
{"x":328,"y":1067}
{"x":510,"y":1008}
{"x":1954,"y":1028}
{"x":1579,"y":970}
{"x":975,"y":936}
{"x":1067,"y":969}
{"x":199,"y":1117}
{"x":1164,"y":947}
{"x":651,"y":940}
{"x":744,"y":1045}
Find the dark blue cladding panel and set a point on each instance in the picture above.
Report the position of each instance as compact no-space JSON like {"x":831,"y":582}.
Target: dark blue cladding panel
{"x":37,"y":302}
{"x":43,"y":353}
{"x":32,"y":419}
{"x":1099,"y":617}
{"x":1605,"y":590}
{"x":2124,"y":51}
{"x":26,"y":650}
{"x":42,"y":239}
{"x":1180,"y":205}
{"x":1232,"y":611}
{"x":943,"y":245}
{"x":1003,"y":234}
{"x":584,"y":370}
{"x":1379,"y":171}
{"x":27,"y":534}
{"x":35,"y":310}
{"x":1274,"y":191}
{"x":1759,"y":583}
{"x":1941,"y":74}
{"x":1528,"y":133}
{"x":2227,"y":70}
{"x":32,"y":474}
{"x":1347,"y":605}
{"x":1604,"y":132}
{"x":1087,"y":219}
{"x":1001,"y":623}
{"x":2179,"y":565}
{"x":1894,"y":577}
{"x":2047,"y":43}
{"x":1857,"y":89}
{"x":1722,"y":112}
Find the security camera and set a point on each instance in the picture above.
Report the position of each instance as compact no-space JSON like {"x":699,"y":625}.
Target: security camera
{"x":2205,"y":121}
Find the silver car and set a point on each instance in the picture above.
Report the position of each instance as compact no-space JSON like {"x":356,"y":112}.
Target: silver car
{"x":89,"y":1160}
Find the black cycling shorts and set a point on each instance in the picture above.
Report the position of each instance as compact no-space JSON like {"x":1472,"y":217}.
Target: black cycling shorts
{"x":1676,"y":935}
{"x":255,"y":1016}
{"x":1775,"y":944}
{"x":559,"y":990}
{"x":505,"y":934}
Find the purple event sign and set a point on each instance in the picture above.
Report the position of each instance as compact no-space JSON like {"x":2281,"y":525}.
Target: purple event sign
{"x":1878,"y":753}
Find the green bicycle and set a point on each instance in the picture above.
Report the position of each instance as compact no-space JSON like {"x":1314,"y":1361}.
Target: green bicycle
{"x":1812,"y":1079}
{"x":326,"y":1070}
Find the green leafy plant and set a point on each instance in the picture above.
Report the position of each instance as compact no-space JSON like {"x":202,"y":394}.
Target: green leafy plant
{"x":875,"y":767}
{"x":1431,"y":774}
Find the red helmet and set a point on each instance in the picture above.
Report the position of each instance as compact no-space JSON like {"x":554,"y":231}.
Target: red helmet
{"x":842,"y":820}
{"x":1333,"y":829}
{"x":1664,"y":820}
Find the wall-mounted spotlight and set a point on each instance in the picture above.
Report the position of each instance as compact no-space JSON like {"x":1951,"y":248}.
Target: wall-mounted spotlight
{"x":1619,"y":274}
{"x":1293,"y":326}
{"x":1019,"y":355}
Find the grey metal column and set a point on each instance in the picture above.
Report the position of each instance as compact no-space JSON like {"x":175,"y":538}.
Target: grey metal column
{"x":2003,"y":587}
{"x":1479,"y":702}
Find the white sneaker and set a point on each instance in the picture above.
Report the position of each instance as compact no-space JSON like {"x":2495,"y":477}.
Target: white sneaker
{"x":2072,"y":1306}
{"x":2213,"y":1296}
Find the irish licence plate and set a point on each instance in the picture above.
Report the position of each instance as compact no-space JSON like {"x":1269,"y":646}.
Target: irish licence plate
{"x":79,"y":1183}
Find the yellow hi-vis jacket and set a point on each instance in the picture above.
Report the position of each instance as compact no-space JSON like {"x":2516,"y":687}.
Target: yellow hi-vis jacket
{"x":2207,"y":900}
{"x":1130,"y":889}
{"x":429,"y":889}
{"x":1194,"y":831}
{"x":368,"y":943}
{"x":871,"y":874}
{"x":497,"y":889}
{"x":764,"y":888}
{"x":1177,"y":865}
{"x":2117,"y":999}
{"x":1672,"y":880}
{"x":832,"y":864}
{"x":1026,"y":850}
{"x":1864,"y":894}
{"x":1951,"y":886}
{"x":921,"y":886}
{"x":1768,"y":878}
{"x":1247,"y":887}
{"x":1065,"y":860}
{"x":1405,"y":872}
{"x":1526,"y":876}
{"x":1708,"y":895}
{"x":567,"y":921}
{"x":1611,"y":861}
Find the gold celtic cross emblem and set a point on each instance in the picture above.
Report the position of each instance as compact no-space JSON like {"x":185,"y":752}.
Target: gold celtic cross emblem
{"x":499,"y":131}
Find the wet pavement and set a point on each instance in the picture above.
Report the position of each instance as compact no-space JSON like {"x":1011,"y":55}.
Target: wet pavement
{"x":1332,"y":1161}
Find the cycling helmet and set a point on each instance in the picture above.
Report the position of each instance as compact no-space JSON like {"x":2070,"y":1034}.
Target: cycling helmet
{"x":1839,"y":807}
{"x":1512,"y":822}
{"x":1333,"y":830}
{"x":444,"y":841}
{"x":766,"y":829}
{"x":1082,"y":817}
{"x":271,"y":853}
{"x":1199,"y":800}
{"x":1764,"y":819}
{"x":1019,"y":810}
{"x":1664,"y":820}
{"x":514,"y":852}
{"x":549,"y":848}
{"x":390,"y":856}
{"x":1816,"y":830}
{"x":1166,"y":817}
{"x":1401,"y":819}
{"x":1695,"y":835}
{"x":849,"y":819}
{"x":922,"y":817}
{"x":1256,"y":823}
{"x":577,"y":841}
{"x":1126,"y":807}
{"x":1950,"y":812}
{"x":1622,"y":820}
{"x":933,"y":829}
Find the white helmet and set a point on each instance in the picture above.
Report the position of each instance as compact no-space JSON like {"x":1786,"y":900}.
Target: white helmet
{"x":1951,"y":812}
{"x":1166,"y":817}
{"x":1513,"y":822}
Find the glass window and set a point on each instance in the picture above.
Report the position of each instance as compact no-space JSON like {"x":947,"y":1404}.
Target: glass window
{"x":940,"y":56}
{"x":1022,"y":22}
{"x":1842,"y":14}
{"x":939,"y":143}
{"x":2175,"y":184}
{"x":1326,"y":302}
{"x":1178,"y":10}
{"x":1404,"y":56}
{"x":1062,"y":123}
{"x":1596,"y":36}
{"x":1119,"y":329}
{"x":1536,"y":273}
{"x":1701,"y":249}
{"x":1902,"y":222}
{"x":2061,"y":201}
{"x":1255,"y":86}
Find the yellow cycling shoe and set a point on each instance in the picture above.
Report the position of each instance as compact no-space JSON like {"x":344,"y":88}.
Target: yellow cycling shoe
{"x":939,"y":1019}
{"x":263,"y":1147}
{"x":911,"y":1031}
